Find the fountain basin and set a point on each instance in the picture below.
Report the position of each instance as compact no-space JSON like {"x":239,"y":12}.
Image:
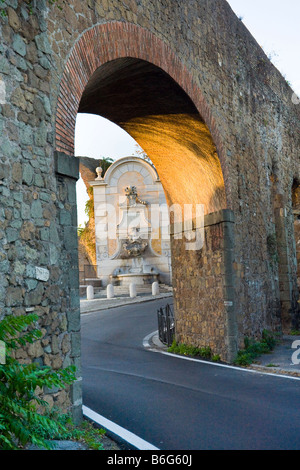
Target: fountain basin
{"x":139,"y":279}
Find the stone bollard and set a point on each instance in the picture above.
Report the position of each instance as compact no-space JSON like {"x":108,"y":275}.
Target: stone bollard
{"x":90,"y":292}
{"x":132,"y":290}
{"x":155,"y":288}
{"x":110,"y":291}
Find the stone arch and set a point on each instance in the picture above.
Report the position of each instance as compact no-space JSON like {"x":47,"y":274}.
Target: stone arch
{"x":172,"y":122}
{"x":102,"y":45}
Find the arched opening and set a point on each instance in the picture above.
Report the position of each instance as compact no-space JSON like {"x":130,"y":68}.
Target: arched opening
{"x":98,"y":142}
{"x":283,"y":251}
{"x":147,"y":103}
{"x":151,"y":95}
{"x":153,"y":109}
{"x":296,"y":214}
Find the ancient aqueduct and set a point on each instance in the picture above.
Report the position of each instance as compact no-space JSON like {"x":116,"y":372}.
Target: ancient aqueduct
{"x":191,"y":85}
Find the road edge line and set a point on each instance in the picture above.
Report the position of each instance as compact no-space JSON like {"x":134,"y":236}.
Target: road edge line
{"x":116,"y":430}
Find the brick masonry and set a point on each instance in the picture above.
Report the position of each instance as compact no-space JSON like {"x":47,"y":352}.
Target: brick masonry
{"x":46,"y":60}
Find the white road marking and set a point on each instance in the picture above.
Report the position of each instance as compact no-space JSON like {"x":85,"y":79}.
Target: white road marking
{"x":127,"y":436}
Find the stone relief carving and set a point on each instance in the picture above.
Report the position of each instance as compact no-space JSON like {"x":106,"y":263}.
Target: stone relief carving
{"x":134,"y":245}
{"x":132,"y":196}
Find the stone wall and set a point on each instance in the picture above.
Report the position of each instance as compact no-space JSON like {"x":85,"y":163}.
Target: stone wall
{"x":46,"y":59}
{"x":39,"y":263}
{"x":203,"y":283}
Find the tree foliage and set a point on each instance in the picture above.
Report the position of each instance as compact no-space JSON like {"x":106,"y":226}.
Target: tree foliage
{"x":19,"y":385}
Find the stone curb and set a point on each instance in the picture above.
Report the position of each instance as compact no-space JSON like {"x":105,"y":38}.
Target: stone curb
{"x":273,"y":370}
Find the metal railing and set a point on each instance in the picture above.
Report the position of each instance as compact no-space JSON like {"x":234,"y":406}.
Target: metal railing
{"x":166,"y":324}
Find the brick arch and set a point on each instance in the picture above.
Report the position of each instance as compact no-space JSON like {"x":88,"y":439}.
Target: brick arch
{"x":110,"y":41}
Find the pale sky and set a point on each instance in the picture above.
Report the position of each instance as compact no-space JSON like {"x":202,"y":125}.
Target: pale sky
{"x":275,"y":26}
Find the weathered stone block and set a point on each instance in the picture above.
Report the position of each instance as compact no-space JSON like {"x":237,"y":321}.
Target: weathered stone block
{"x":42,"y":43}
{"x":19,"y":45}
{"x":14,"y":296}
{"x":12,"y":235}
{"x":35,"y":296}
{"x":73,"y":317}
{"x":75,"y":344}
{"x":67,"y":166}
{"x":36,"y":209}
{"x":17,"y":172}
{"x":28,"y":174}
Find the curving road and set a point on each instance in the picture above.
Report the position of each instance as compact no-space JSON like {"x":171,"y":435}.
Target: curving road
{"x":176,"y":404}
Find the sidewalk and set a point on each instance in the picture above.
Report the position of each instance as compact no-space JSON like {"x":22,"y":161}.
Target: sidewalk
{"x":280,"y":360}
{"x":102,"y":303}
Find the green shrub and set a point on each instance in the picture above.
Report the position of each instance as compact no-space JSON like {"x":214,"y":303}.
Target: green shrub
{"x":187,"y":350}
{"x":20,"y":420}
{"x":85,"y":432}
{"x":216,"y":358}
{"x":295,"y":333}
{"x":253,"y":348}
{"x":269,"y":338}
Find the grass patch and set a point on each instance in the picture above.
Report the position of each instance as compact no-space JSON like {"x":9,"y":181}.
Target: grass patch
{"x":216,"y":358}
{"x":254,"y":348}
{"x":192,"y":351}
{"x":85,"y":433}
{"x":295,"y":333}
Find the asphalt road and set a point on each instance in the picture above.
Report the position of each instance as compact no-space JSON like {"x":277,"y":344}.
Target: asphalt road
{"x":176,"y":404}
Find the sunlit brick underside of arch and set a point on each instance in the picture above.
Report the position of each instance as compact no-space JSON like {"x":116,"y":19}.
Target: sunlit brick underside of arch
{"x":186,"y":147}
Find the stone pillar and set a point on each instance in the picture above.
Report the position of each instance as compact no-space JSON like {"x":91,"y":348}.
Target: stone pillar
{"x":229,"y":284}
{"x":132,"y":290}
{"x":67,"y":173}
{"x":155,"y":288}
{"x":101,"y":226}
{"x":288,"y":300}
{"x":110,"y":291}
{"x":203,"y":285}
{"x":90,"y":292}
